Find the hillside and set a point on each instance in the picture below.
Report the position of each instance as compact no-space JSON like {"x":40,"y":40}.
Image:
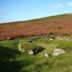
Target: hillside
{"x":11,"y":59}
{"x":40,"y":54}
{"x":56,"y":25}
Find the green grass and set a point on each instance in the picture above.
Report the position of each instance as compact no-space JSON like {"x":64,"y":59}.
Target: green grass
{"x":13,"y":61}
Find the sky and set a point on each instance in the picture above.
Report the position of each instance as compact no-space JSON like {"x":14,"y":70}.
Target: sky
{"x":21,"y":10}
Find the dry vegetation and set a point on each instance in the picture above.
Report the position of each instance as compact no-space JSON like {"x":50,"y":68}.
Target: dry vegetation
{"x":56,"y":25}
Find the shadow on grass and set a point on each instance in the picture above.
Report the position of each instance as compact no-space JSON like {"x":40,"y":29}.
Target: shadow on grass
{"x":8,"y":62}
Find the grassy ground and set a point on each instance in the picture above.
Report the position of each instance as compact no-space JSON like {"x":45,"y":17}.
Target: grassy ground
{"x":11,"y":60}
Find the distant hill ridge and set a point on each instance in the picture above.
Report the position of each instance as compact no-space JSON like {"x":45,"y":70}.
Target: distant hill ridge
{"x":55,"y":25}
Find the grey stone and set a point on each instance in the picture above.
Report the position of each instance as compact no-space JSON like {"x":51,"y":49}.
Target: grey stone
{"x":58,"y":51}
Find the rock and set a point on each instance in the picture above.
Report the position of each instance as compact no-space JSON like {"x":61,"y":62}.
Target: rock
{"x":20,"y":48}
{"x":46,"y":55}
{"x":31,"y":52}
{"x":51,"y":39}
{"x":59,"y":38}
{"x":57,"y":52}
{"x":22,"y":51}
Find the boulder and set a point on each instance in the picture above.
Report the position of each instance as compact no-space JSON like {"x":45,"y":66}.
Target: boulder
{"x":46,"y":55}
{"x":51,"y":39}
{"x":20,"y":48}
{"x":36,"y":50}
{"x":31,"y":52}
{"x":58,"y":51}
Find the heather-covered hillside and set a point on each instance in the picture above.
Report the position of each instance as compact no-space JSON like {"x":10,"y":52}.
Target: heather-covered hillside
{"x":56,"y":25}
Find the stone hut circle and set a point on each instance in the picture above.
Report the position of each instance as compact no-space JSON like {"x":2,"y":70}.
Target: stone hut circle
{"x":29,"y":48}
